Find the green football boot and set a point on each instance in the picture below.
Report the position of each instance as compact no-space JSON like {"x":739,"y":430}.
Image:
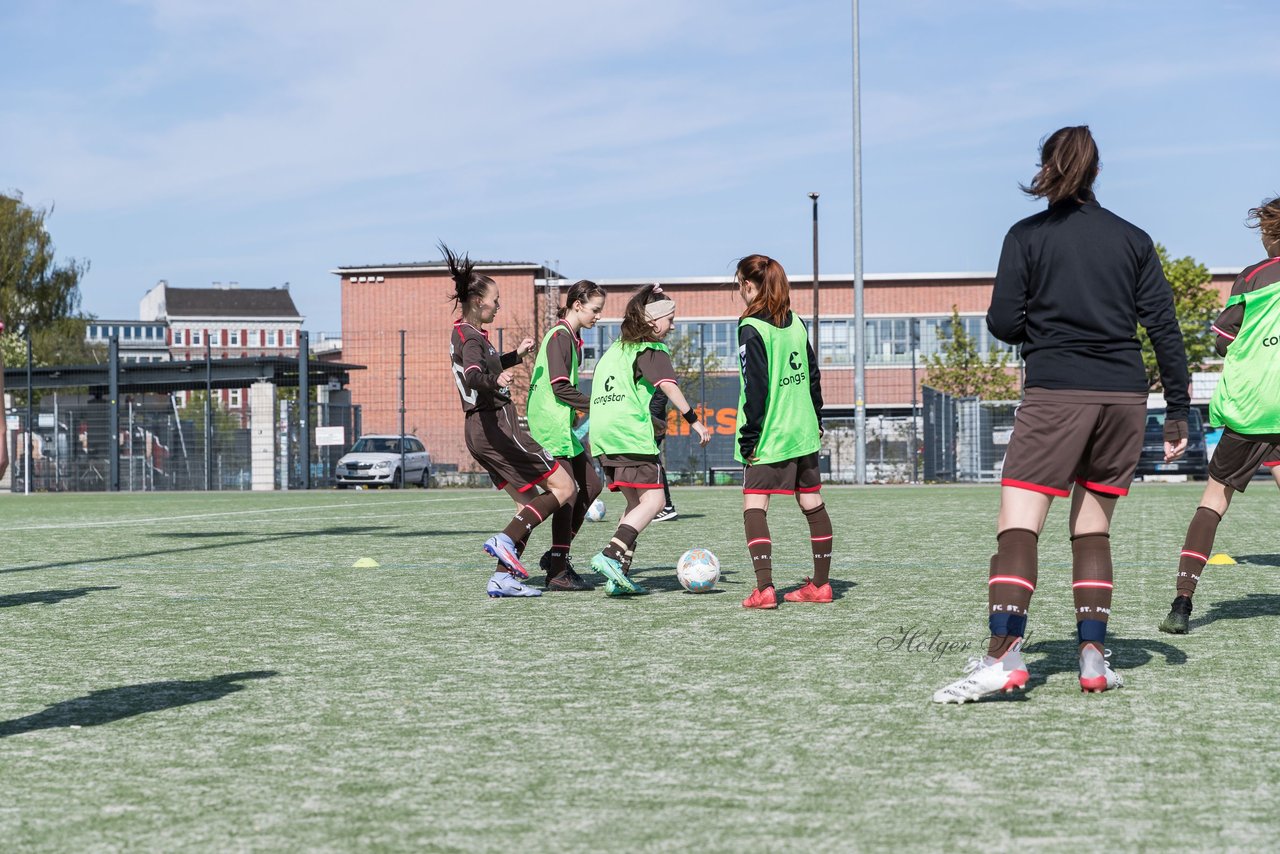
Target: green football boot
{"x":617,"y":583}
{"x":1179,"y":619}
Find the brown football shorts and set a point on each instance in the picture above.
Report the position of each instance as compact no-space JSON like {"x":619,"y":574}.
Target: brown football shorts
{"x":637,"y":472}
{"x":1237,"y":457}
{"x":1066,"y":436}
{"x":799,"y":474}
{"x":506,"y":450}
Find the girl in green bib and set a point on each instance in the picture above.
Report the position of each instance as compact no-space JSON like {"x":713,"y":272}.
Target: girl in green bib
{"x":554,"y":404}
{"x":1246,"y":402}
{"x":779,"y":427}
{"x":622,"y":387}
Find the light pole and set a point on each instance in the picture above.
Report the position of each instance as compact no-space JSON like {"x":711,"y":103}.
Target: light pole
{"x":915,"y":344}
{"x":816,"y":326}
{"x":859,"y":324}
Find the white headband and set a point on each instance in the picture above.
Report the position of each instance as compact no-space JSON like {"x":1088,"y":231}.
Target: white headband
{"x":660,"y":309}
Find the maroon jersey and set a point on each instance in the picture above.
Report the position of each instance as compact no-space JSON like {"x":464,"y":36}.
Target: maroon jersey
{"x":476,"y":365}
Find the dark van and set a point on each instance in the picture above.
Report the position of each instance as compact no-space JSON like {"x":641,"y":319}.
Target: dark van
{"x":1194,"y":464}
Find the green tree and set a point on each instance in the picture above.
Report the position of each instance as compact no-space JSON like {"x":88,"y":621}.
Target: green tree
{"x":38,"y":295}
{"x":959,"y":369}
{"x":689,"y":360}
{"x":1196,"y":305}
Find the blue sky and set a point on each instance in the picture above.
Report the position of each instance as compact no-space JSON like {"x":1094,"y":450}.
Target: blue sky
{"x":271,"y":142}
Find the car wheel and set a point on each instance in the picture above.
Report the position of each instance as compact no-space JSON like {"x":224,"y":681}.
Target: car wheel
{"x":394,"y":483}
{"x":425,"y":483}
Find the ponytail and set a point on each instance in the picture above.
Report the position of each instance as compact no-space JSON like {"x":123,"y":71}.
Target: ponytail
{"x":774,"y":291}
{"x":467,"y":284}
{"x":1069,"y":164}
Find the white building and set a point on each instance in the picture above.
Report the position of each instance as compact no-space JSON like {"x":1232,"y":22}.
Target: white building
{"x":225,"y":321}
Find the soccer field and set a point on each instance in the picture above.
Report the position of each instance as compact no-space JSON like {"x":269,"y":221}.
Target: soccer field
{"x":208,"y":672}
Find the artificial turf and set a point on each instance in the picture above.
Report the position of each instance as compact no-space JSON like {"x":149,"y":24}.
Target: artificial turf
{"x":208,"y":671}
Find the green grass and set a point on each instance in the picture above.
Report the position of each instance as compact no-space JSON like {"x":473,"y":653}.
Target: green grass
{"x":400,"y":709}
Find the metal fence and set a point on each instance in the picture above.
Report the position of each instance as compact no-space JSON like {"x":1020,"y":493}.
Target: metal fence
{"x":965,"y":438}
{"x":171,"y":426}
{"x":189,"y":434}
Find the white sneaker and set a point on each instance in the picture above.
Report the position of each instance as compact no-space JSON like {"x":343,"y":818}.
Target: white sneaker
{"x":985,"y":675}
{"x":666,"y":514}
{"x":1096,"y":674}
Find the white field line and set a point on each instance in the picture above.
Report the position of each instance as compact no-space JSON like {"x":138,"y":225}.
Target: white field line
{"x":156,"y":519}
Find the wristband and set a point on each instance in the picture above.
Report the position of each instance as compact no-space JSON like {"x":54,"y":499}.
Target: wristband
{"x":691,"y":416}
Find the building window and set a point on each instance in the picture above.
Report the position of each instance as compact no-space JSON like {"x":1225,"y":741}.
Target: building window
{"x":197,"y":337}
{"x":718,"y":338}
{"x":177,"y":337}
{"x":235,"y":338}
{"x":288,"y":338}
{"x":271,"y":338}
{"x":889,"y":339}
{"x":233,"y":398}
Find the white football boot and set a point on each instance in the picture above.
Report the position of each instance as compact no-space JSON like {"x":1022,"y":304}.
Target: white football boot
{"x":985,"y":676}
{"x":1096,"y":674}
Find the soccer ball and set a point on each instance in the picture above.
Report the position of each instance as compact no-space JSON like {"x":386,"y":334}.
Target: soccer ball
{"x":596,"y":511}
{"x":698,"y":570}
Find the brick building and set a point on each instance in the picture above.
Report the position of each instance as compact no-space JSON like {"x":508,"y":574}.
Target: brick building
{"x":379,"y":301}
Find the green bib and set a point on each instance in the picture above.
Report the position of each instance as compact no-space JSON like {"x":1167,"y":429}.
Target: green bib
{"x":550,"y":421}
{"x":620,"y":422}
{"x":790,"y":426}
{"x":1247,"y":398}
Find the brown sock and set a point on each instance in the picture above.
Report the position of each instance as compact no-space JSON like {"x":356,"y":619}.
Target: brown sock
{"x":584,"y":474}
{"x":820,"y":539}
{"x":561,"y":537}
{"x":1196,"y":548}
{"x":760,"y":546}
{"x":531,"y":516}
{"x":1010,"y":583}
{"x":559,"y":562}
{"x":624,"y":540}
{"x":1091,"y":586}
{"x":626,"y":561}
{"x":580,"y":507}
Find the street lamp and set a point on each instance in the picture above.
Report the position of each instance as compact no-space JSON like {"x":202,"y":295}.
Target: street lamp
{"x":816,"y":352}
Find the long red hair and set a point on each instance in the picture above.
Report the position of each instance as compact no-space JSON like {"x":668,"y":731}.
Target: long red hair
{"x":774,"y":294}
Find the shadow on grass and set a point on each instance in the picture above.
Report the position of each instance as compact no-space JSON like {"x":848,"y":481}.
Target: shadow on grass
{"x":1063,"y":656}
{"x":1259,"y":560}
{"x":113,"y":704}
{"x":231,"y":543}
{"x":48,"y":597}
{"x":339,"y":531}
{"x":422,"y":532}
{"x":662,"y":579}
{"x":1252,"y":605}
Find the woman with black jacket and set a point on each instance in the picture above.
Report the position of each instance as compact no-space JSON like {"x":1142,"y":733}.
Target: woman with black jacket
{"x":1074,"y":282}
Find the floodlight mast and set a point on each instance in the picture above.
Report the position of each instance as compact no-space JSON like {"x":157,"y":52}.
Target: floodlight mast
{"x":859,"y":326}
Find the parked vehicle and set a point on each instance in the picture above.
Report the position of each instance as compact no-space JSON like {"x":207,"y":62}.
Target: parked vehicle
{"x":1194,"y":464}
{"x":375,"y":461}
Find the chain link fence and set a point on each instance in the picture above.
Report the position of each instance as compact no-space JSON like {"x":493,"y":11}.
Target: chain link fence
{"x":196,"y":425}
{"x":191,"y":426}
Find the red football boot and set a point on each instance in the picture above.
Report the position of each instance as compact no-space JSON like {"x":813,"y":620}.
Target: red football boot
{"x":810,"y":593}
{"x":765,"y":598}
